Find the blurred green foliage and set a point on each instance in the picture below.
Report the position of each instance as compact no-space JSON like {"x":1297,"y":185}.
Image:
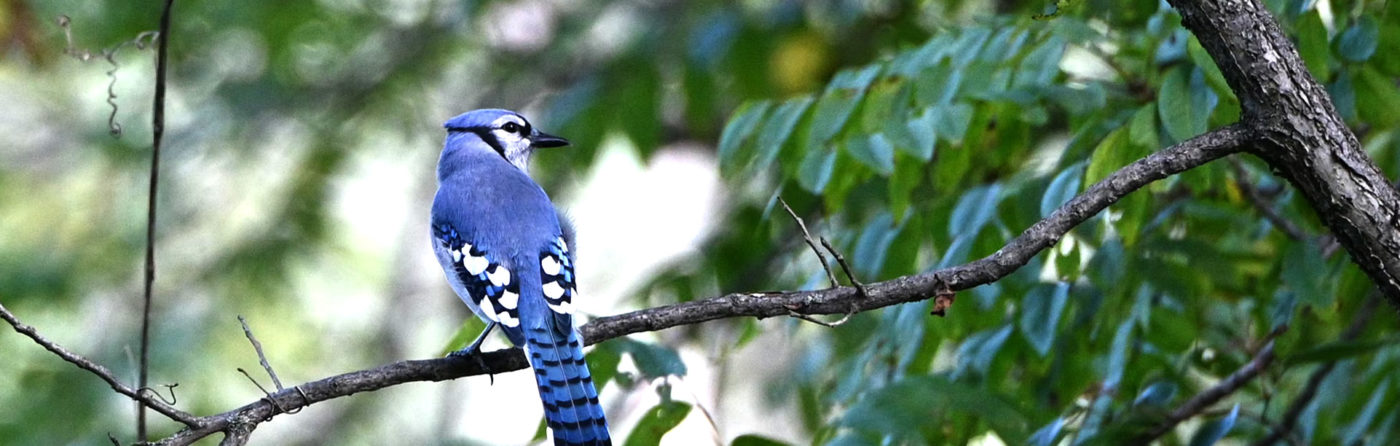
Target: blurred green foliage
{"x":915,"y":135}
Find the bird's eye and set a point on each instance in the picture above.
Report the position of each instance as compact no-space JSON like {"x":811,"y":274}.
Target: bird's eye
{"x":511,"y":127}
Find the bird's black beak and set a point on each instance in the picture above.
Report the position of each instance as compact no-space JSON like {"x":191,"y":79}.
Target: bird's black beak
{"x":545,"y":140}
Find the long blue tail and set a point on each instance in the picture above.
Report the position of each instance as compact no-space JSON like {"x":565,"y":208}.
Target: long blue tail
{"x":570,"y":401}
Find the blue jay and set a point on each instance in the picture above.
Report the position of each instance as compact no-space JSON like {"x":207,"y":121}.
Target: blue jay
{"x":505,"y":253}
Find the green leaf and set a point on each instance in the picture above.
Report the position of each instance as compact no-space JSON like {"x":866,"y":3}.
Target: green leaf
{"x":1377,"y":98}
{"x":1206,"y":64}
{"x":874,"y":243}
{"x":976,"y":207}
{"x":839,"y":101}
{"x":1143,"y":129}
{"x":907,"y":176}
{"x":777,"y":129}
{"x":1284,"y":304}
{"x":1313,"y":45}
{"x":657,"y":422}
{"x":1039,"y":68}
{"x":815,"y":171}
{"x":916,"y":136}
{"x":953,"y":121}
{"x":903,"y":409}
{"x":1214,"y":430}
{"x":979,"y":349}
{"x":732,"y":155}
{"x":1040,"y":315}
{"x":1358,"y":42}
{"x":1063,"y":188}
{"x":1118,"y":355}
{"x":602,"y":363}
{"x":1306,"y":273}
{"x":653,"y":360}
{"x":1183,"y":106}
{"x":874,"y":151}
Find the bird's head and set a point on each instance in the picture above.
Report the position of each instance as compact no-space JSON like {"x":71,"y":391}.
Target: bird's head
{"x":506,"y":132}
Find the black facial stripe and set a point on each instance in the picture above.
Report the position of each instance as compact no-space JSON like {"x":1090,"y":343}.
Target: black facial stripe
{"x":489,"y":138}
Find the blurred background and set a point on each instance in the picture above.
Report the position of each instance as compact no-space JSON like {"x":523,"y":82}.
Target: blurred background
{"x":297,"y":173}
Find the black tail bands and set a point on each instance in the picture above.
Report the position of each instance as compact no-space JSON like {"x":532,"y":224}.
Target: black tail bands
{"x":571,"y":406}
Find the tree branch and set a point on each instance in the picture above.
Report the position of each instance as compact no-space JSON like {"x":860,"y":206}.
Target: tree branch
{"x":1298,"y":132}
{"x":97,"y":369}
{"x":841,"y":300}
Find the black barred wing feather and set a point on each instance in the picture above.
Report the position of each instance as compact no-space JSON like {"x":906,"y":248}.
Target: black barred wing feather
{"x":557,"y":278}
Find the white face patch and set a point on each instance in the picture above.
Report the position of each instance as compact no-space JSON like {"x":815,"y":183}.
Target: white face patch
{"x":514,"y":135}
{"x":499,"y":276}
{"x":509,"y":300}
{"x":550,"y":265}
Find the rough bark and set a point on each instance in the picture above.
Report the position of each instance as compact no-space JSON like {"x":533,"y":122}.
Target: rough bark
{"x":1297,"y":131}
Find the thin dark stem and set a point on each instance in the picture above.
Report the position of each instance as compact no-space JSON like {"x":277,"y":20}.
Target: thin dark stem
{"x":157,"y":131}
{"x":840,"y":259}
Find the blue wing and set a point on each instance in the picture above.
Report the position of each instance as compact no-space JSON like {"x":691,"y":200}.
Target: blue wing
{"x":481,"y":279}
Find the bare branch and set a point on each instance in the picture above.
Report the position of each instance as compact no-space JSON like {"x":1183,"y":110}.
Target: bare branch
{"x":99,"y":370}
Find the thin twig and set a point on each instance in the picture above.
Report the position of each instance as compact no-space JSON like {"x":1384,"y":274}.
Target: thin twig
{"x":1210,"y":396}
{"x":257,"y":346}
{"x":157,"y":132}
{"x":1263,"y":205}
{"x":97,"y":369}
{"x":808,"y":237}
{"x":851,"y":275}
